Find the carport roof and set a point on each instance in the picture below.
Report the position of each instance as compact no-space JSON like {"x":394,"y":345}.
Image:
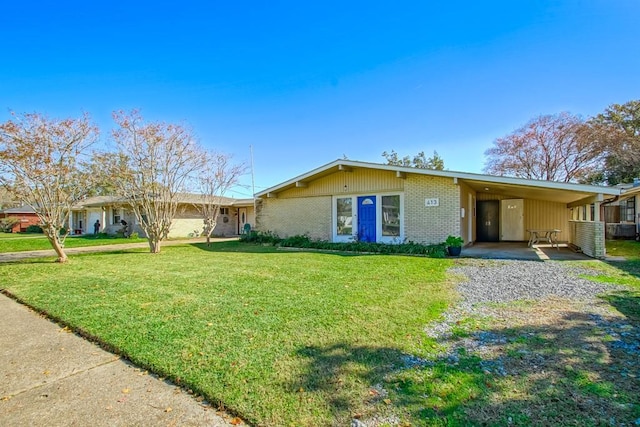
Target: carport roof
{"x":561,"y":192}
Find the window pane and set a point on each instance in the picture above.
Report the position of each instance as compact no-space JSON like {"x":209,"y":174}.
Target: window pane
{"x":344,"y":216}
{"x":631,"y":209}
{"x":391,"y":216}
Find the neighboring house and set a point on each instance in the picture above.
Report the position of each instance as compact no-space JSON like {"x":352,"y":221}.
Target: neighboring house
{"x":346,"y":200}
{"x":25,"y":214}
{"x":628,"y":204}
{"x":109,"y":210}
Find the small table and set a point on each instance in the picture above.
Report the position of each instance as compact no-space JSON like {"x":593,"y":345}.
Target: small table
{"x":548,"y":235}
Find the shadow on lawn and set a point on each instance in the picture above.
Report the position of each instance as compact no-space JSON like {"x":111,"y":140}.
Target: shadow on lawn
{"x":579,"y":369}
{"x":333,"y":372}
{"x":627,"y":303}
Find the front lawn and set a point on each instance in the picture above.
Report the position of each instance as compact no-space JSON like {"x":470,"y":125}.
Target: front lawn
{"x":280,"y":337}
{"x":313,"y":339}
{"x":20,"y":242}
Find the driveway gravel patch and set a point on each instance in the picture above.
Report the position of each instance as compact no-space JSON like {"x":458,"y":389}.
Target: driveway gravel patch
{"x":541,"y":330}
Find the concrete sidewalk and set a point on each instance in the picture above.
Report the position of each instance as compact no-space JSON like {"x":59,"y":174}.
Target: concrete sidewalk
{"x":49,"y":376}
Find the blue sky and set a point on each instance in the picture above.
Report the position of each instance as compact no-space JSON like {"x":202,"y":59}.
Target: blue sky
{"x":305,"y":84}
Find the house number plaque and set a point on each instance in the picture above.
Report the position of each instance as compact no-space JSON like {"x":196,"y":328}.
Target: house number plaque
{"x":432,"y":202}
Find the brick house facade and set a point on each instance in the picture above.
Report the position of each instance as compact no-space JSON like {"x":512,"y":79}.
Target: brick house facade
{"x":348,"y":200}
{"x":25,"y":215}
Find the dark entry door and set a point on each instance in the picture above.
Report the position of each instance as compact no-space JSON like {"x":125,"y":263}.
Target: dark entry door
{"x":487,"y":225}
{"x":367,"y":219}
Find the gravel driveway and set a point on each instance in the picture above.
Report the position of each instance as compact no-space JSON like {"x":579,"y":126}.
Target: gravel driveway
{"x":505,"y":281}
{"x":538,"y":326}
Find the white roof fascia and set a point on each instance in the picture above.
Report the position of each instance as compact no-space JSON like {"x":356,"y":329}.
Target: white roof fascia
{"x":630,"y":192}
{"x":586,"y":188}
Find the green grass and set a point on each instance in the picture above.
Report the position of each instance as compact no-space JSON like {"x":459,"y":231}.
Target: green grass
{"x":629,"y":249}
{"x":313,"y":339}
{"x":20,"y":242}
{"x":626,"y":273}
{"x":282,"y":338}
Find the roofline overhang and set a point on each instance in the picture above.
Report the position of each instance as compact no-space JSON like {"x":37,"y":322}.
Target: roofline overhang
{"x":348,"y":165}
{"x":114,"y":201}
{"x":630,"y":192}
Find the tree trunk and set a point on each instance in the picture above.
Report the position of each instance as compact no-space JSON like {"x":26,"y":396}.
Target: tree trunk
{"x":208,"y":240}
{"x":62,"y":256}
{"x":154,"y":244}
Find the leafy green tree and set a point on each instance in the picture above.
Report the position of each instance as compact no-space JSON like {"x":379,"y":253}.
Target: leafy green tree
{"x":419,"y":161}
{"x":617,"y":132}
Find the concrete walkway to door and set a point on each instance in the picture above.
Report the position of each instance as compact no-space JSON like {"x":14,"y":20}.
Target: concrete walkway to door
{"x":520,"y":250}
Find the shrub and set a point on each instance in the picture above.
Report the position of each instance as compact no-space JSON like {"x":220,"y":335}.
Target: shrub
{"x":34,"y":229}
{"x":260,"y":237}
{"x":134,"y":235}
{"x":296,"y":242}
{"x":454,"y":241}
{"x":303,"y":241}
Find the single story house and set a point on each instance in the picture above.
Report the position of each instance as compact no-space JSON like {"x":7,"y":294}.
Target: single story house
{"x":234,"y":217}
{"x":25,"y":215}
{"x":346,"y":200}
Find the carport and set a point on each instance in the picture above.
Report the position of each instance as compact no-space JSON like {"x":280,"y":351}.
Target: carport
{"x":505,"y":208}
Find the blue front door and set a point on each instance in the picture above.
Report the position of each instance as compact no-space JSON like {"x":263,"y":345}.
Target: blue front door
{"x":367,"y":219}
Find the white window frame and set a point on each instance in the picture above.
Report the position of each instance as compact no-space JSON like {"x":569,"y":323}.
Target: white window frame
{"x":379,"y":237}
{"x":116,"y":212}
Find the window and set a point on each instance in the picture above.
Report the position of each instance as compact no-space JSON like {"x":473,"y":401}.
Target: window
{"x":391,"y":216}
{"x":224,"y":211}
{"x":628,"y":210}
{"x":388,"y":220}
{"x":344,"y":216}
{"x":116,"y":217}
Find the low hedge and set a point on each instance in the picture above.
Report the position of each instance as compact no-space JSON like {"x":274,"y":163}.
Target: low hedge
{"x":432,"y":251}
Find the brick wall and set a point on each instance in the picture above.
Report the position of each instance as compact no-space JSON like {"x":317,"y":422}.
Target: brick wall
{"x":431,"y":224}
{"x":589,"y":236}
{"x":25,"y":221}
{"x":296,"y":216}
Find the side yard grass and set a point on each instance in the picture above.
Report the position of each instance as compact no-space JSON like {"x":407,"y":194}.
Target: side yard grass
{"x":625,"y":273}
{"x":282,"y":338}
{"x":19,"y":242}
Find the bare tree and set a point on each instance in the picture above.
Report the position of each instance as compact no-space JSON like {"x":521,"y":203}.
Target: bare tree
{"x":551,"y":147}
{"x":41,"y":166}
{"x":155,"y":164}
{"x":216,"y":178}
{"x":7,"y":200}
